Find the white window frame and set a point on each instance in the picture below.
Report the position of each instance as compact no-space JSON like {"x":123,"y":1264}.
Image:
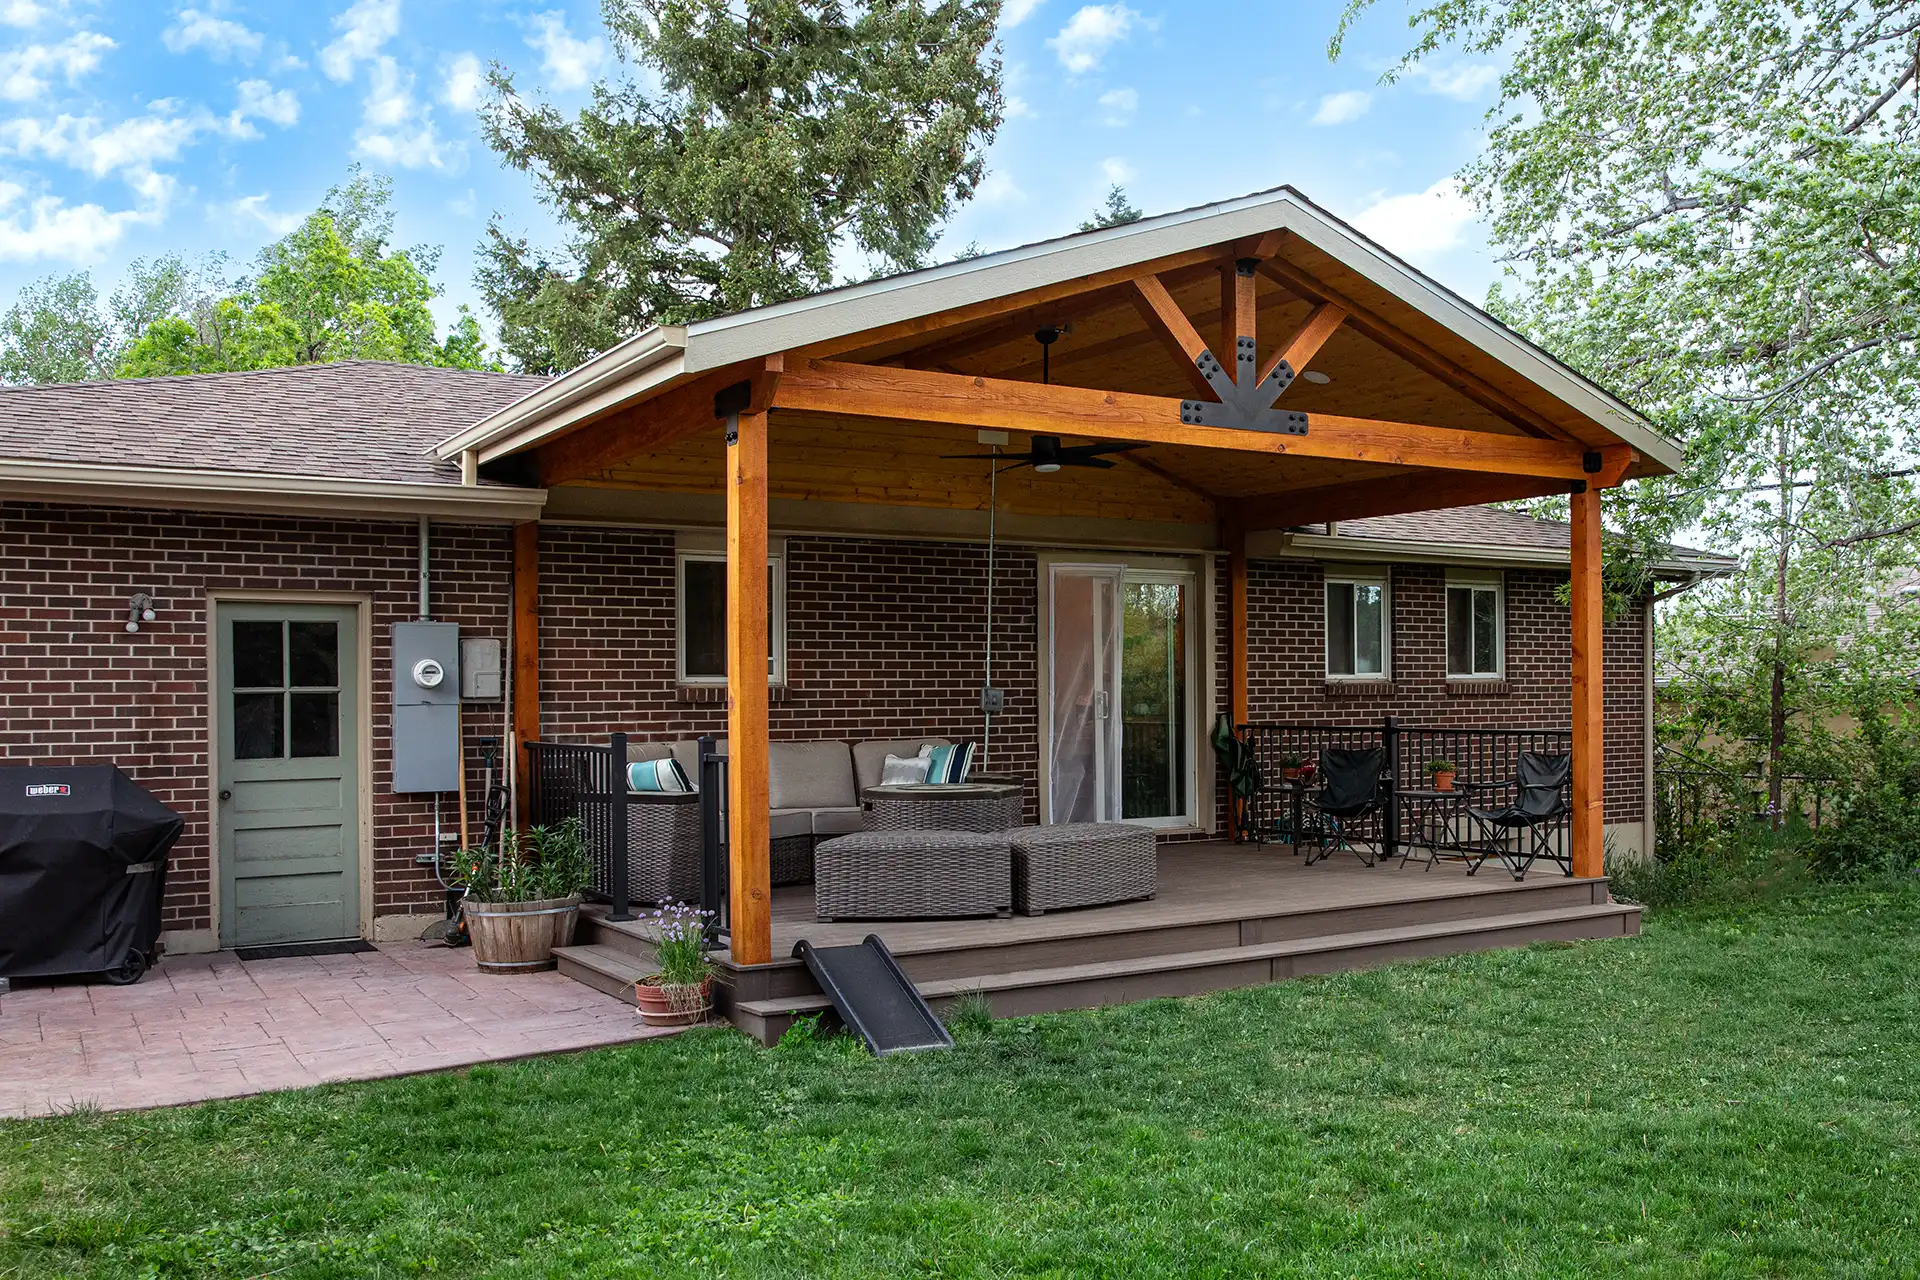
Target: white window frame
{"x":1475,"y":580}
{"x":777,"y":622}
{"x":1360,"y":577}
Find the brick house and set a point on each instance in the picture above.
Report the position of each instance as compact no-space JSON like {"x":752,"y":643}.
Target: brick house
{"x":278,"y":524}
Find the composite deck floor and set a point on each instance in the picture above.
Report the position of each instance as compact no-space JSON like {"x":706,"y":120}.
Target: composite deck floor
{"x":1198,"y":883}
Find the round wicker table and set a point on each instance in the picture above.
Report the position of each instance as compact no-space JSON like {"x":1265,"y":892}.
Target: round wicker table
{"x":953,"y":806}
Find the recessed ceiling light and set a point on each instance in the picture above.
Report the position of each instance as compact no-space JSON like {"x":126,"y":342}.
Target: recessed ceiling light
{"x":1314,"y":375}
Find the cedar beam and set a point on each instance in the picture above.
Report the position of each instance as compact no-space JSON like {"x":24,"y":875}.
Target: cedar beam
{"x":748,"y":815}
{"x":909,"y":395}
{"x":1589,"y":702}
{"x":526,"y":662}
{"x":1391,"y":496}
{"x":1153,"y":468}
{"x":1170,"y":324}
{"x":1305,"y":345}
{"x":1417,"y":353}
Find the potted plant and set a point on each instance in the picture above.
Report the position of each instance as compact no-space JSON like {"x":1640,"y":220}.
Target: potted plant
{"x":523,"y":898}
{"x":1442,"y":771}
{"x":681,"y":993}
{"x":1289,"y":768}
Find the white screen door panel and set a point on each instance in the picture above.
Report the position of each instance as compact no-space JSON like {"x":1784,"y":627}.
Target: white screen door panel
{"x":1086,"y":633}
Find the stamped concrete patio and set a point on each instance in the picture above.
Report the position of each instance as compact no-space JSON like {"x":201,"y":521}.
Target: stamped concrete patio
{"x":203,"y":1027}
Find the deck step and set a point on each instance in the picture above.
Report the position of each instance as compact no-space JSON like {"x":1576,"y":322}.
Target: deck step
{"x":603,"y":968}
{"x":1081,"y":986}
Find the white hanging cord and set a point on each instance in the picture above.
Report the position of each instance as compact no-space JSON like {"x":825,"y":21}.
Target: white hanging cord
{"x":993,"y":504}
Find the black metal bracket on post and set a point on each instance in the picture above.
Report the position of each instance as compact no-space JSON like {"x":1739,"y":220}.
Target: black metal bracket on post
{"x":712,"y":850}
{"x":1590,"y":462}
{"x":619,"y":891}
{"x":729,"y":403}
{"x":1390,"y":837}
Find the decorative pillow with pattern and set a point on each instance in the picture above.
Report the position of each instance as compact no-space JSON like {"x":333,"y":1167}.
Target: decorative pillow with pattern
{"x":657,"y":776}
{"x":950,"y":764}
{"x":895,"y":770}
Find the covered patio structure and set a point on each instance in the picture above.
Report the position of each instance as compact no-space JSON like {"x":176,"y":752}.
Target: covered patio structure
{"x":1273,"y":368}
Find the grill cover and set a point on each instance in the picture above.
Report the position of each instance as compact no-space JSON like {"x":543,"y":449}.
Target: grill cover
{"x":82,"y":867}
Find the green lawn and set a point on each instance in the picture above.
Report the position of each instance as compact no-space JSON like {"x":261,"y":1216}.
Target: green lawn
{"x":1730,"y":1094}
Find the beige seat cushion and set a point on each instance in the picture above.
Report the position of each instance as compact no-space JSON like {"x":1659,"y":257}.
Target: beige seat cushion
{"x":638,"y":751}
{"x":688,"y":754}
{"x":790,"y":822}
{"x":838,"y":822}
{"x":811,"y":775}
{"x":870,"y":757}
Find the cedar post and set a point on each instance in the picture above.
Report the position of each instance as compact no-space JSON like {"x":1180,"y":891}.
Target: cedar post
{"x":1234,"y":534}
{"x":748,"y":816}
{"x":1589,"y":754}
{"x":526,"y":662}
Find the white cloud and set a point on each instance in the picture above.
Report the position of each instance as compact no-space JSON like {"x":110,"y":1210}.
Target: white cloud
{"x":463,"y":206}
{"x":1118,"y":170}
{"x":254,"y":209}
{"x":220,"y":37}
{"x":1017,"y":108}
{"x":1118,"y":105}
{"x":364,"y":30}
{"x":130,"y":148}
{"x":23,"y":13}
{"x":1463,"y":80}
{"x":261,"y":101}
{"x":1421,"y":224}
{"x":23,"y":71}
{"x":397,"y":129}
{"x":569,"y":63}
{"x":1339,"y":108}
{"x":1015,"y":12}
{"x":1090,"y":32}
{"x":49,"y":227}
{"x":465,"y":87}
{"x":998,"y":187}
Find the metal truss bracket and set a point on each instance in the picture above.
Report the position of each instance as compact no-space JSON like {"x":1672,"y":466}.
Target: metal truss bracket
{"x":1242,"y":405}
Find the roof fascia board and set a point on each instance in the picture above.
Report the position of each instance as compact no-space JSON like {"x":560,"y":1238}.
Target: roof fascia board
{"x":1319,"y":546}
{"x":605,"y":379}
{"x":263,"y":493}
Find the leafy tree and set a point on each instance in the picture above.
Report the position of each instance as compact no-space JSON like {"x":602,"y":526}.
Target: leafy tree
{"x":1715,"y":209}
{"x":752,"y":142}
{"x":57,"y":332}
{"x":332,"y":289}
{"x":1116,"y":212}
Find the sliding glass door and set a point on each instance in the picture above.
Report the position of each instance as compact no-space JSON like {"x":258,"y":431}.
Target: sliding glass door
{"x":1121,"y":649}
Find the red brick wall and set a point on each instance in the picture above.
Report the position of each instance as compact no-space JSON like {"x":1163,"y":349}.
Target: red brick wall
{"x":76,"y":688}
{"x":1287,"y":674}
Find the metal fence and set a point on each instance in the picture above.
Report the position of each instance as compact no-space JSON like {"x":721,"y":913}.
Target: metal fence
{"x":1489,"y":757}
{"x":1693,"y":799}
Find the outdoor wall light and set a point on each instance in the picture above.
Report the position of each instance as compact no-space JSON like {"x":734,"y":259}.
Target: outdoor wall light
{"x":139,"y":610}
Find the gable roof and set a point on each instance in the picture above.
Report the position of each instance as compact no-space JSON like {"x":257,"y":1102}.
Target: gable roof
{"x":353,"y":429}
{"x":665,"y":355}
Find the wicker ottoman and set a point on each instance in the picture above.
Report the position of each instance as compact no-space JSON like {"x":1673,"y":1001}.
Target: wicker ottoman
{"x":874,"y":875}
{"x":1082,"y":864}
{"x":956,"y":806}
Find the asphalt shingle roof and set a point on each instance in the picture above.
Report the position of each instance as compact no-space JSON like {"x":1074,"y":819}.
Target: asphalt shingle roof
{"x":353,"y":419}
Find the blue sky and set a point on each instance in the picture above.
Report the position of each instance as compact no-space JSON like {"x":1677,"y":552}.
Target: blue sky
{"x":133,"y":129}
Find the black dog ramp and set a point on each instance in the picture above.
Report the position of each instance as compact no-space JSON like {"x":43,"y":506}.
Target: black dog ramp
{"x":875,"y":998}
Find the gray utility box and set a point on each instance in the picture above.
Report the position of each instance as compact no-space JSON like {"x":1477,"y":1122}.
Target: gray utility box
{"x":426,"y":706}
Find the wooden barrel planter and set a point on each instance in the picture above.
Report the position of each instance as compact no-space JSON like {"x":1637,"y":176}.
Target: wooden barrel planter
{"x":519,"y":937}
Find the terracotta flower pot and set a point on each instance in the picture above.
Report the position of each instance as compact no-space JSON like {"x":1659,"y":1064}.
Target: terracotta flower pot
{"x":1443,"y":780}
{"x":519,"y":937}
{"x":672,"y":1004}
{"x":1289,"y":772}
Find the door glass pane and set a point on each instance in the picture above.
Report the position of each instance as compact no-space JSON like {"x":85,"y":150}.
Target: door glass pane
{"x":1459,"y":631}
{"x":1369,"y":617}
{"x":257,"y":720}
{"x":316,"y":724}
{"x":1339,"y":628}
{"x":1153,"y":689}
{"x":1085,"y":748}
{"x":703,"y":606}
{"x":313,"y":655}
{"x":256,"y":656}
{"x":1486,"y":631}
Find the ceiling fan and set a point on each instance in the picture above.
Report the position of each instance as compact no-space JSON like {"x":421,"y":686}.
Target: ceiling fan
{"x":1046,"y":454}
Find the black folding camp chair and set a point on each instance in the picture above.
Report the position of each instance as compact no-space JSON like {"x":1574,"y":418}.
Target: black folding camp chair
{"x":1525,"y":831}
{"x":1349,"y":795}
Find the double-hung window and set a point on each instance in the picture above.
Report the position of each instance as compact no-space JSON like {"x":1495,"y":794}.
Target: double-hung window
{"x":1359,"y":625}
{"x":701,"y":598}
{"x":1476,"y":621}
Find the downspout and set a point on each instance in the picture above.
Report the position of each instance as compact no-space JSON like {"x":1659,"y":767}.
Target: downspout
{"x":425,"y":524}
{"x":1649,"y":803}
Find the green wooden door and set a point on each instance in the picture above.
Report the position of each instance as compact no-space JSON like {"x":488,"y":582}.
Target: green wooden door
{"x":289,"y":686}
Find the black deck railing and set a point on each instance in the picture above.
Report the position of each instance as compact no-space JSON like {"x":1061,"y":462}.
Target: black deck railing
{"x":581,"y":780}
{"x":1486,"y":756}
